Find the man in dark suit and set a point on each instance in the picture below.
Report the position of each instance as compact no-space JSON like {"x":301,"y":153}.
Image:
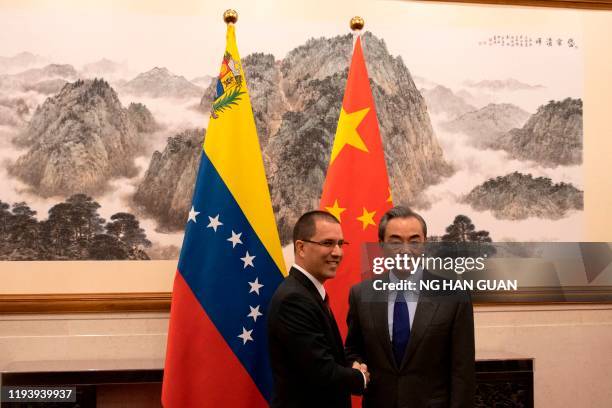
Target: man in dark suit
{"x":418,"y":347}
{"x":306,"y":352}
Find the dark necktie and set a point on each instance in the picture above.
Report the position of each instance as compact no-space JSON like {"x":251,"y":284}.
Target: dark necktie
{"x":332,"y":322}
{"x":401,"y":327}
{"x":329,"y":310}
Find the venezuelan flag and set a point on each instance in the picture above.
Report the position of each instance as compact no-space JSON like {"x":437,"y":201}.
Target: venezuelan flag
{"x":230,"y":263}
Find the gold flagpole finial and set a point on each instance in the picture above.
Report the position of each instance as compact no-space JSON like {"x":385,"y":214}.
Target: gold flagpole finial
{"x":230,"y":16}
{"x":357,"y":23}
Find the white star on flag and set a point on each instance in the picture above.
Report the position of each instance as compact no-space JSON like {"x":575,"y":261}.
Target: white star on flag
{"x":248,"y":260}
{"x":254,"y":312}
{"x":214,"y":223}
{"x":255,"y":286}
{"x":235,"y":239}
{"x":246,"y":336}
{"x":192,"y":215}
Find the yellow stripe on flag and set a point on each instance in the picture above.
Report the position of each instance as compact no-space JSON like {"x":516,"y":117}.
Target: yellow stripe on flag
{"x":232,"y":146}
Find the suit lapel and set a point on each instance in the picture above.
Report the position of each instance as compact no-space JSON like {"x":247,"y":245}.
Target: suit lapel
{"x":331,"y":323}
{"x":379,"y":304}
{"x":425,"y":311}
{"x":335,"y":330}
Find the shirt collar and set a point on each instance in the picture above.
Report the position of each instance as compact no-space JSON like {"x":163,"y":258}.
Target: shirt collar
{"x":415,"y":277}
{"x":318,"y":285}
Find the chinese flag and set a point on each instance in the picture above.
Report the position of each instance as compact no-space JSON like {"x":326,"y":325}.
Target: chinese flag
{"x":356,"y":189}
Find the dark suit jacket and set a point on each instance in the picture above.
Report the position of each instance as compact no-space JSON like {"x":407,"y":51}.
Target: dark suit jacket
{"x":438,"y":369}
{"x":306,"y":353}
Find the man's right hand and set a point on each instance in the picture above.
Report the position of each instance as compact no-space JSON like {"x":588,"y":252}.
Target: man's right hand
{"x":364,"y":369}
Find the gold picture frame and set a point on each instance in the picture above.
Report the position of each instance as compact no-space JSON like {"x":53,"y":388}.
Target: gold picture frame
{"x":584,"y":4}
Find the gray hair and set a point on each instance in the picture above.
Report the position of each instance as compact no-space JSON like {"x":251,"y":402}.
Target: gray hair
{"x":399,"y":211}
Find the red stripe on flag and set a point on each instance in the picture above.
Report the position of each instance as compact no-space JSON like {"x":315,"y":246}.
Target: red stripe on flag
{"x":201,"y":370}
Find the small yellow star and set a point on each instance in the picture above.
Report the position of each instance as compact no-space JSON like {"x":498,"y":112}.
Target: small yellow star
{"x":390,"y":199}
{"x":347,"y":134}
{"x":367,"y":218}
{"x":336,"y":210}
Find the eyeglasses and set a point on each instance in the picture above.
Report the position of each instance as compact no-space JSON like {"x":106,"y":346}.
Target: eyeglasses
{"x":328,"y":243}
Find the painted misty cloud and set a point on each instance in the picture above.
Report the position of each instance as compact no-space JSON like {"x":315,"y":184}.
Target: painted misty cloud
{"x":79,"y":139}
{"x":132,"y":141}
{"x":301,"y":95}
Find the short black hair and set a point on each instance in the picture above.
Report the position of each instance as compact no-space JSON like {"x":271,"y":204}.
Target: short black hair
{"x":305,"y":227}
{"x":399,"y":211}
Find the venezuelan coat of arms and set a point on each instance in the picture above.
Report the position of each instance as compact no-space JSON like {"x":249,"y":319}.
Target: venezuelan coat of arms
{"x":229,"y":86}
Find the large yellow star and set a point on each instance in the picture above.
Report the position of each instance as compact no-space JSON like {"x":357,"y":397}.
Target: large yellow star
{"x":336,"y":210}
{"x":347,"y":134}
{"x":367,"y":218}
{"x":390,"y":198}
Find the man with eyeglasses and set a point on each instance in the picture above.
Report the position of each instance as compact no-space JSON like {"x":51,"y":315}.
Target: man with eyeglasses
{"x":419,"y":346}
{"x":306,"y":352}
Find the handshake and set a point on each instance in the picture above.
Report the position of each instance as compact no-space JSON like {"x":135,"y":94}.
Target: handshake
{"x":364,"y":370}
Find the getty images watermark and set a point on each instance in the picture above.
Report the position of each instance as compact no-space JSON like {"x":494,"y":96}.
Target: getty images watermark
{"x":403,"y":265}
{"x":496,"y":272}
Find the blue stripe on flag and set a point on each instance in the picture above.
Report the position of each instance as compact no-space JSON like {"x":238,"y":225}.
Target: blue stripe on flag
{"x":219,"y":279}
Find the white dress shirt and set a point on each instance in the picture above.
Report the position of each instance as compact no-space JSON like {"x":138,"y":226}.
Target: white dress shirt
{"x":315,"y":281}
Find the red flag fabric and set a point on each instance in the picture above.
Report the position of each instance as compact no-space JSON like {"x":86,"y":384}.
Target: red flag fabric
{"x":356,"y":189}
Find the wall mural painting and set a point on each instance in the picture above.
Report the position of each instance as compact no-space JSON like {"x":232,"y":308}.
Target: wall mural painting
{"x":98,"y":160}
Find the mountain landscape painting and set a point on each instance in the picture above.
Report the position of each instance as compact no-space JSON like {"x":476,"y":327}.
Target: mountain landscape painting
{"x":98,"y":159}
